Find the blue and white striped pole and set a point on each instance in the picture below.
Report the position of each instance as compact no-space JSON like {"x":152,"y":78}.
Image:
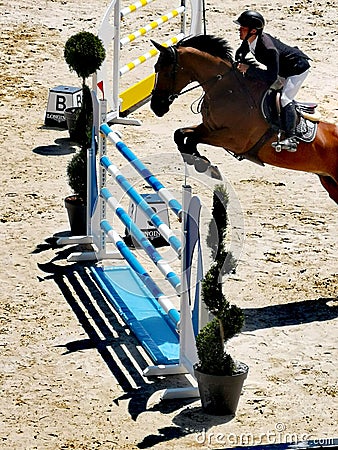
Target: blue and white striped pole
{"x":162,"y":227}
{"x":158,"y":187}
{"x":165,"y":303}
{"x":151,"y":251}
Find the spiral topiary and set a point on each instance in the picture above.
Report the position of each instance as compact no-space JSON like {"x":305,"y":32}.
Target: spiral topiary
{"x":228,"y":319}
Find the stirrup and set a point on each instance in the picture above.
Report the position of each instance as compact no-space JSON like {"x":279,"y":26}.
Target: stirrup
{"x":288,"y":144}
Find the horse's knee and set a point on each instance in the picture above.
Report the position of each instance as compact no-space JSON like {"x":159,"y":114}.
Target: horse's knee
{"x":185,"y":141}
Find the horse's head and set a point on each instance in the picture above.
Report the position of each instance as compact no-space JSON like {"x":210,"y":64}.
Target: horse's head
{"x":176,"y":67}
{"x":171,"y":78}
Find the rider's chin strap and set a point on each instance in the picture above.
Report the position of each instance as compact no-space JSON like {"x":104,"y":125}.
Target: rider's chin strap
{"x":250,"y":33}
{"x":244,"y":46}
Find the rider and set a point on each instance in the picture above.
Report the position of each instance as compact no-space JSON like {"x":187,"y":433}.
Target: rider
{"x":281,"y":61}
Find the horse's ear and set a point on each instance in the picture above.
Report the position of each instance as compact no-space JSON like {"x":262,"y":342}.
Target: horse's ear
{"x":158,"y":46}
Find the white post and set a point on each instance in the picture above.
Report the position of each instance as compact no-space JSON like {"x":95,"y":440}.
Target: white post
{"x":196,"y":16}
{"x":116,"y":58}
{"x":188,"y":353}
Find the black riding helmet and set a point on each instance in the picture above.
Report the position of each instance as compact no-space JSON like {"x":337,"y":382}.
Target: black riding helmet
{"x":251,"y":19}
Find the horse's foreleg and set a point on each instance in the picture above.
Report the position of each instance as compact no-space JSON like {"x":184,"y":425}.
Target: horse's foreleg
{"x":331,"y":186}
{"x":186,"y":140}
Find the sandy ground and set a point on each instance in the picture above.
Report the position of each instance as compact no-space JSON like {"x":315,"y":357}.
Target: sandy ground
{"x":71,"y":372}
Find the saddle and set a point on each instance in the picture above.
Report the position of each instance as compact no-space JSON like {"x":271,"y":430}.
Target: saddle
{"x":308,"y":117}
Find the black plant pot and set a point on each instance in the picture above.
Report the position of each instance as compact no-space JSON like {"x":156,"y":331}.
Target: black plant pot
{"x":220,"y":393}
{"x":71,"y":116}
{"x":77,"y":215}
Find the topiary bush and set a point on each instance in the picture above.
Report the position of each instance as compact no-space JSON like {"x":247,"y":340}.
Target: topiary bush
{"x":77,"y":174}
{"x":228,"y":320}
{"x":84,"y":53}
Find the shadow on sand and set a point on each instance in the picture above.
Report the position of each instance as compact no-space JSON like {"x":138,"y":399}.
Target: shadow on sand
{"x":62,"y":146}
{"x":121,"y":354}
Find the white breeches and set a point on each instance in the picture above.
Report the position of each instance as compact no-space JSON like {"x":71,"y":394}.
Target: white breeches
{"x":291,"y":87}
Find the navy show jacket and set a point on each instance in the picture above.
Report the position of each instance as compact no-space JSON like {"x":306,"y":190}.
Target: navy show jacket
{"x":279,"y":59}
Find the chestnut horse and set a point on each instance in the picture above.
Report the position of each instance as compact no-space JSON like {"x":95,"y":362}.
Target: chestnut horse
{"x":231,"y":112}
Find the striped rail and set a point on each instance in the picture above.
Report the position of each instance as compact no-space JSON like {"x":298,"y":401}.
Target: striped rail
{"x":147,"y":246}
{"x":149,"y":54}
{"x":151,"y":26}
{"x":141,"y":272}
{"x":152,"y":181}
{"x":162,"y":227}
{"x":132,"y":8}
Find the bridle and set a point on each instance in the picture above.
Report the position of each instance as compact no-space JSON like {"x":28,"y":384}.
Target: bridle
{"x":176,"y":67}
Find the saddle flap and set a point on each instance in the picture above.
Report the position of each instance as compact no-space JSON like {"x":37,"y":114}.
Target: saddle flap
{"x":307,"y":119}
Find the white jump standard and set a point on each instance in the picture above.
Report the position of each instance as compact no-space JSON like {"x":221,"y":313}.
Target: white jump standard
{"x":115,"y":20}
{"x":166,"y":334}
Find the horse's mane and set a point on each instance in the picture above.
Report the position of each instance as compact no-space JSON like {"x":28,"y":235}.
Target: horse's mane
{"x":208,"y":43}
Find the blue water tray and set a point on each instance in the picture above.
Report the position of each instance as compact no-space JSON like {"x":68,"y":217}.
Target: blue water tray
{"x":140,"y":310}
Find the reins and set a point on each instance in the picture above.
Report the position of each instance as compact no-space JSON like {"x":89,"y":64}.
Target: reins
{"x":240,"y":80}
{"x":176,"y":66}
{"x":217,"y":77}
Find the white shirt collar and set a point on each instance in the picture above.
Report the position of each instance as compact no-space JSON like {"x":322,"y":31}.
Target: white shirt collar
{"x":252,"y":45}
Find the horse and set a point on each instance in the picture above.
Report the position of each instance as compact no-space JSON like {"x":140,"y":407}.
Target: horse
{"x":232,"y":113}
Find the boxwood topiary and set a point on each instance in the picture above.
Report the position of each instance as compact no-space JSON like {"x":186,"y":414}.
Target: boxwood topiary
{"x":84,"y":53}
{"x":228,"y":319}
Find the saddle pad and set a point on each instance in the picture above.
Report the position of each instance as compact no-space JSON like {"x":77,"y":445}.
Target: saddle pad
{"x":306,"y":130}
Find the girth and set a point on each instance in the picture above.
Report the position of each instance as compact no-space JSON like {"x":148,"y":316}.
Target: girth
{"x":252,"y":153}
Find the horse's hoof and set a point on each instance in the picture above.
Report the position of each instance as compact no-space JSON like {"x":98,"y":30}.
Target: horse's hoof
{"x":188,"y":158}
{"x":201,"y":164}
{"x":215,"y":173}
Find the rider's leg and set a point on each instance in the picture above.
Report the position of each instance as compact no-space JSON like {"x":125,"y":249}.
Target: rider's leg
{"x":289,"y":120}
{"x":288,"y":113}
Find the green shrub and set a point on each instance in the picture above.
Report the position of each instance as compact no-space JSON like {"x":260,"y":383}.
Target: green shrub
{"x":77,"y":174}
{"x":84,"y":53}
{"x":228,"y":319}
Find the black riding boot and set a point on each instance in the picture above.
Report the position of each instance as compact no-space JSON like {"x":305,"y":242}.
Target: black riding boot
{"x":289,"y":122}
